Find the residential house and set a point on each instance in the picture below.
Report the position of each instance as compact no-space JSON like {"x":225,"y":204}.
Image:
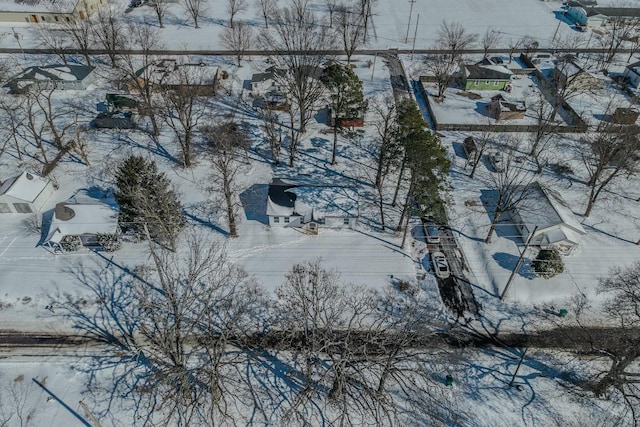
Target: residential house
{"x":311,"y":205}
{"x":569,"y":75}
{"x":81,"y":220}
{"x":502,"y":109}
{"x":486,"y":77}
{"x":46,"y":77}
{"x":632,"y":73}
{"x":25,"y":193}
{"x":262,"y":83}
{"x":594,"y":16}
{"x":47,"y":11}
{"x":556,"y":225}
{"x":170,"y":74}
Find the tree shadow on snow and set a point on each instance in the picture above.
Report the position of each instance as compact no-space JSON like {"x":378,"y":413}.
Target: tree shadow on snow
{"x":509,"y":262}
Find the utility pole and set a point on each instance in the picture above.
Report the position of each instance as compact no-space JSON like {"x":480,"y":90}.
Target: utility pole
{"x":415,"y":35}
{"x":409,"y":22}
{"x":517,"y":267}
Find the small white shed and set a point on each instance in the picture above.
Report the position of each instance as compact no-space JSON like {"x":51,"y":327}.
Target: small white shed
{"x":557,"y":226}
{"x":25,"y":193}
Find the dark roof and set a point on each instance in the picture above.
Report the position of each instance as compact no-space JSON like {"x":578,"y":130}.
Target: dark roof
{"x":270,"y":73}
{"x":484,"y":72}
{"x":52,"y":72}
{"x":592,"y":10}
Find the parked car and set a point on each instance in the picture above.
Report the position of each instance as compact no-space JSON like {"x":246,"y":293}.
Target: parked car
{"x":497,"y":161}
{"x":440,"y":265}
{"x":431,"y":233}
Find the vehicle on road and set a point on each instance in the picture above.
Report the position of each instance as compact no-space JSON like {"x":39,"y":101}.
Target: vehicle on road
{"x":431,"y":233}
{"x":440,"y":265}
{"x":497,"y":161}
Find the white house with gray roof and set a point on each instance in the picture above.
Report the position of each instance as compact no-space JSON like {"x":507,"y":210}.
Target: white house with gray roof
{"x":556,"y":224}
{"x":312,"y":205}
{"x":58,"y":76}
{"x":25,"y":193}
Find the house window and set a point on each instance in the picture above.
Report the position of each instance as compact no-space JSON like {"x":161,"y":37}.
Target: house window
{"x":495,"y":83}
{"x":286,"y":220}
{"x":487,"y":83}
{"x":56,"y":18}
{"x":67,"y":18}
{"x":345,"y":221}
{"x":42,"y":18}
{"x":22,"y":207}
{"x":476,"y":83}
{"x":276,"y":219}
{"x":26,"y":19}
{"x":4,"y":208}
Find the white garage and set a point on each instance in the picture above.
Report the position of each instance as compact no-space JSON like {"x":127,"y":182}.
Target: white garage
{"x":25,"y":193}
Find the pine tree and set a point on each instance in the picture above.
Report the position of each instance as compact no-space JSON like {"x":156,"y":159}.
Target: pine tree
{"x":346,"y":98}
{"x":146,"y":197}
{"x":548,"y":263}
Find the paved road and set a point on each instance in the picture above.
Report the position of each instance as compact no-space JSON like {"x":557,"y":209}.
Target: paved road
{"x":218,"y":52}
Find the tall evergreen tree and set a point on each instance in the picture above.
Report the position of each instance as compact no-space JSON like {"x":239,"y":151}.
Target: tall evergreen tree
{"x":146,"y":197}
{"x":426,"y":162}
{"x":346,"y":98}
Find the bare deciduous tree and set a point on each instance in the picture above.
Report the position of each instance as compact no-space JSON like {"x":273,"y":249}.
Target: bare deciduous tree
{"x":227,"y":143}
{"x":545,"y":129}
{"x":195,"y":9}
{"x":607,"y":154}
{"x":109,"y":31}
{"x":350,"y":27}
{"x":512,"y":187}
{"x":300,"y":36}
{"x":15,"y":407}
{"x":441,"y":66}
{"x":183,"y":106}
{"x":138,"y":71}
{"x":453,"y":37}
{"x":622,"y":287}
{"x":237,"y":39}
{"x":490,"y":40}
{"x":266,"y":10}
{"x":160,"y":7}
{"x":78,"y":31}
{"x":234,"y":7}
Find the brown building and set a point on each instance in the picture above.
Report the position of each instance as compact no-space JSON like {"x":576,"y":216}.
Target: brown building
{"x":501,"y":109}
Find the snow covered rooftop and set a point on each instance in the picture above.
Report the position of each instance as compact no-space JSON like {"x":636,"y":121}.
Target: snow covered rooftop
{"x":25,"y":186}
{"x":324,"y":202}
{"x":545,"y":209}
{"x":61,"y":6}
{"x":57,"y":72}
{"x":82,"y":215}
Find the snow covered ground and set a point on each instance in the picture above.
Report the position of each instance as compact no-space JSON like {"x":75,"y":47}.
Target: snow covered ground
{"x":33,"y":281}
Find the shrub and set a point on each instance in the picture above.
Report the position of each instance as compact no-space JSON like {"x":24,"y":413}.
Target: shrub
{"x":109,"y":242}
{"x":548,"y":263}
{"x":70,"y":243}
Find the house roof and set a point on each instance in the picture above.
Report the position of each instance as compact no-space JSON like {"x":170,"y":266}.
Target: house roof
{"x":25,"y":186}
{"x":269,"y":74}
{"x":322,"y":202}
{"x":305,"y":196}
{"x":82,"y":215}
{"x":546,"y":210}
{"x":59,"y":72}
{"x":165,"y":71}
{"x":60,"y":6}
{"x":487,"y":72}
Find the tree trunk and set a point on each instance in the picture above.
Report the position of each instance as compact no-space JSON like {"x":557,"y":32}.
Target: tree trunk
{"x":335,"y":142}
{"x":496,"y":218}
{"x":395,"y":194}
